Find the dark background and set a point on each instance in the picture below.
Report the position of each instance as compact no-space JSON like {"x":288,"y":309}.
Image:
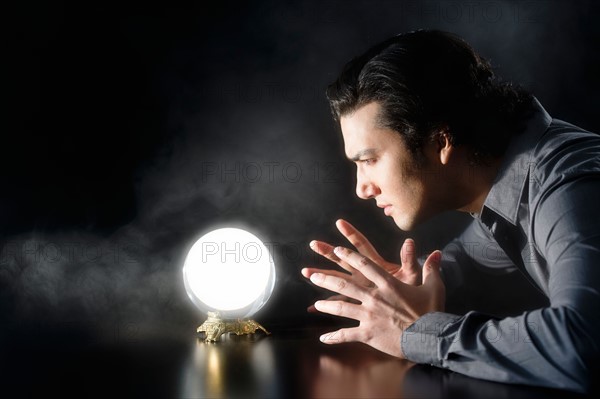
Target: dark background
{"x":129,"y":130}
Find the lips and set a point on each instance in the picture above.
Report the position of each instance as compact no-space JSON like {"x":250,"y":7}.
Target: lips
{"x":387,"y":208}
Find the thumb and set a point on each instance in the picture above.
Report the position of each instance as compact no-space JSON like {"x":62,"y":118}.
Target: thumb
{"x":431,"y":269}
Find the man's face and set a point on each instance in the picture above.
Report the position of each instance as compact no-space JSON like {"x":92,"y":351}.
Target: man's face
{"x":386,"y":170}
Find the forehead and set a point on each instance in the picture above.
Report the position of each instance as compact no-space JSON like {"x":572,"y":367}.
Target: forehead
{"x":361,"y":131}
{"x":365,"y":116}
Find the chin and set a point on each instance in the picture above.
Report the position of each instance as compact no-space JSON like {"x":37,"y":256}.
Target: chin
{"x":404,"y":224}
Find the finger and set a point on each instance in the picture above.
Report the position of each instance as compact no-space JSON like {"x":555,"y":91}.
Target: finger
{"x":341,"y":285}
{"x":408,"y":257}
{"x":342,"y":298}
{"x":357,"y":277}
{"x":358,"y":240}
{"x":326,"y":250}
{"x":363,"y":264}
{"x":339,"y":308}
{"x":309,"y":271}
{"x":431,"y":269}
{"x":343,"y":335}
{"x":312,"y":309}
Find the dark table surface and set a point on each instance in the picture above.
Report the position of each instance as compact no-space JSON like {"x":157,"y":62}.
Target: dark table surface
{"x":288,"y":363}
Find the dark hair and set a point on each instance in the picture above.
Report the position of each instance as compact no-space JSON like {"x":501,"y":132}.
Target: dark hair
{"x":429,"y":80}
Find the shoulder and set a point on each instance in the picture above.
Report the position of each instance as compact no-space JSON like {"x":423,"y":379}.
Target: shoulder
{"x":564,"y":153}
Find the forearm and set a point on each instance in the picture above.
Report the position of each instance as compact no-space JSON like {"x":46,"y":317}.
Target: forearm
{"x":536,"y":348}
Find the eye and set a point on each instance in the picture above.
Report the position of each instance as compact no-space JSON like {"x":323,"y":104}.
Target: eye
{"x":368,"y":161}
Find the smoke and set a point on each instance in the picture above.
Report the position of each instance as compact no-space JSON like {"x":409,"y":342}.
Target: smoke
{"x":111,"y":287}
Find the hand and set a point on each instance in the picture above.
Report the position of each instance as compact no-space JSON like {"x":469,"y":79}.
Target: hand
{"x":408,"y":271}
{"x":386,"y":305}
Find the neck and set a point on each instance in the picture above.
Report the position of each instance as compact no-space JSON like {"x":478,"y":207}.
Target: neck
{"x":478,"y":185}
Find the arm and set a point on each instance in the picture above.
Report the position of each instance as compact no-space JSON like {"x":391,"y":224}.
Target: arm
{"x":555,"y":346}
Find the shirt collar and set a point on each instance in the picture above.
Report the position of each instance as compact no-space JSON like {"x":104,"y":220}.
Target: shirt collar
{"x":507,"y":189}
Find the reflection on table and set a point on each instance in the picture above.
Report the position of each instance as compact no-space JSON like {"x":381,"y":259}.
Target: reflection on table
{"x":297,"y":365}
{"x":286,"y":364}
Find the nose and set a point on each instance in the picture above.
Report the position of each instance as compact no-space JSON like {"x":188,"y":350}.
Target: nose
{"x":365,"y":188}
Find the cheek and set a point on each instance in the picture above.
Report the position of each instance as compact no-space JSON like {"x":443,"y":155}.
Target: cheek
{"x":399,"y":182}
{"x":394,"y":187}
{"x":405,"y":190}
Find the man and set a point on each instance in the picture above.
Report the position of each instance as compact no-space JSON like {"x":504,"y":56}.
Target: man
{"x":431,"y":129}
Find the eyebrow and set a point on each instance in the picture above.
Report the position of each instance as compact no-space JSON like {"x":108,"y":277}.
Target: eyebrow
{"x":362,"y":153}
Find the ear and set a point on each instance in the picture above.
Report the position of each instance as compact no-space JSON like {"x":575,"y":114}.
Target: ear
{"x":444,"y":146}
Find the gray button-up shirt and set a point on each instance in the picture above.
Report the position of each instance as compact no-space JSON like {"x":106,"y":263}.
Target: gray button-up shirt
{"x":543,"y":211}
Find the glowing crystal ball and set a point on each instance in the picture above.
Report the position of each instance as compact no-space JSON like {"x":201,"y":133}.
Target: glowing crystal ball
{"x":231,"y":271}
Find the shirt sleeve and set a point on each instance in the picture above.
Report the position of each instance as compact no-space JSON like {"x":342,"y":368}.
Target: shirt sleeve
{"x":556,"y":346}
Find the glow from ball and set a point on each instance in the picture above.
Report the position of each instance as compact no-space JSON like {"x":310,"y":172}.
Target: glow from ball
{"x":231,"y":271}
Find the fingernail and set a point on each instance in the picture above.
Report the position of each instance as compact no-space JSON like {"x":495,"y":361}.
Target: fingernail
{"x":315,"y":277}
{"x":312,"y":243}
{"x":323,"y":337}
{"x":437,"y":256}
{"x":337,"y":250}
